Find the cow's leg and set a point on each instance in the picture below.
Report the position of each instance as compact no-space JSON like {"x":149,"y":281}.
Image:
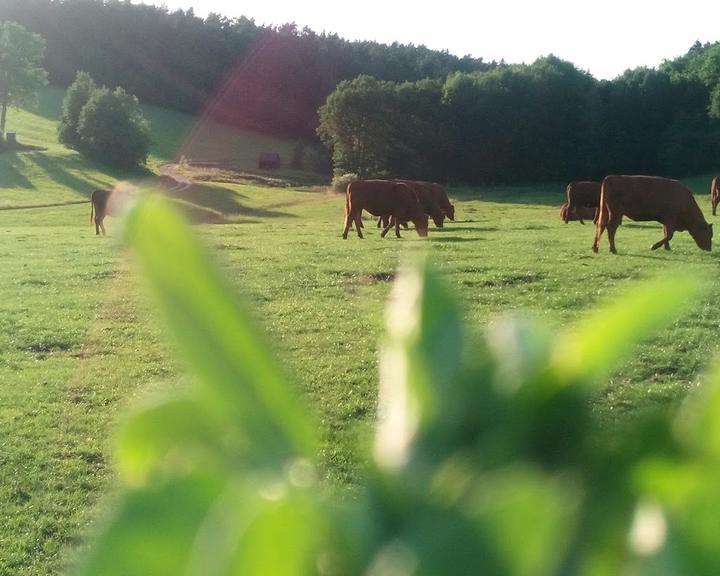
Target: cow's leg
{"x":99,"y":226}
{"x":380,"y":221}
{"x":358,"y":223}
{"x":349,"y":217}
{"x":397,"y":227}
{"x":612,"y":226}
{"x":668,"y":234}
{"x":714,"y":204}
{"x":386,"y":229}
{"x":346,"y":227}
{"x":599,"y":229}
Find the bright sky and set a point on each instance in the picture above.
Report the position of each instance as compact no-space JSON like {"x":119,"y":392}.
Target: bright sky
{"x":603,"y":37}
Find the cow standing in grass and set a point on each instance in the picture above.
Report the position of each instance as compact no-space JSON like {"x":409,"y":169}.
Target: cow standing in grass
{"x":442,"y":200}
{"x":715,"y":193}
{"x":433,"y":199}
{"x":650,"y":198}
{"x":106,"y":203}
{"x":383,"y":198}
{"x":426,"y":197}
{"x":581,"y":194}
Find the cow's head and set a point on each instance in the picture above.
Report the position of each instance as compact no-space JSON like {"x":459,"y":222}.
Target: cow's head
{"x":421,"y":224}
{"x":703,"y":236}
{"x":450,"y":212}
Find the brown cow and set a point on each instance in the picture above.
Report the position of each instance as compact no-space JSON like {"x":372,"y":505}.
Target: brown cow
{"x":426,"y":197}
{"x":107,"y":203}
{"x":579,"y":213}
{"x":715,"y":193}
{"x":442,"y":200}
{"x":383,"y":198}
{"x":581,"y":194}
{"x":439,"y":198}
{"x":651,"y":198}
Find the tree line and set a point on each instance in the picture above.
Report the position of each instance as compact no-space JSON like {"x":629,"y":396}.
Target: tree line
{"x":545,"y":121}
{"x":398,"y":110}
{"x":271,"y":79}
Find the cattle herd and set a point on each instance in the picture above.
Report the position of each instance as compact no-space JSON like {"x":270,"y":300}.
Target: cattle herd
{"x":640,"y":198}
{"x":395,"y":203}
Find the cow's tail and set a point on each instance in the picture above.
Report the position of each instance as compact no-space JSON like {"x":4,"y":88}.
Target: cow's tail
{"x":347,"y":203}
{"x":602,"y":216}
{"x":92,"y":207}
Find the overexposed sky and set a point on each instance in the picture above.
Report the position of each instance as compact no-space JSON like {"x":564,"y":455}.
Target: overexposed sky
{"x":603,"y":37}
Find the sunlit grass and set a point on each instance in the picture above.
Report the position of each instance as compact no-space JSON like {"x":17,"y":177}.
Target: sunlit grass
{"x":79,"y":342}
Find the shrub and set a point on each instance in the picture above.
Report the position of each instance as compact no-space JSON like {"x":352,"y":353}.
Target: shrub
{"x":340,"y":183}
{"x":113,"y":130}
{"x":105,"y":125}
{"x":487,"y":458}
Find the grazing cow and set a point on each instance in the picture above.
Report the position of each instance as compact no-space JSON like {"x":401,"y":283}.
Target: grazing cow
{"x":383,"y":198}
{"x":579,"y":213}
{"x":715,"y":193}
{"x":581,"y":194}
{"x":426,"y":197}
{"x":651,"y":198}
{"x":442,"y":200}
{"x":434,"y":200}
{"x":106,"y":203}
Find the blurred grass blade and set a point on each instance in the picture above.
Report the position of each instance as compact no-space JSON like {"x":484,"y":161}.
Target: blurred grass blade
{"x":420,"y":363}
{"x":599,"y":343}
{"x":239,"y":378}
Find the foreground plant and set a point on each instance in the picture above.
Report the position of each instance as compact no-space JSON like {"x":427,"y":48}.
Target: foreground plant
{"x":486,"y":457}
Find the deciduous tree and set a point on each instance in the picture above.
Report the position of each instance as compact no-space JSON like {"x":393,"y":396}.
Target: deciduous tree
{"x":21,"y":71}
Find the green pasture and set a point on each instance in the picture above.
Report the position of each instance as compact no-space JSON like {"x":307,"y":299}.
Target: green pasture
{"x":80,"y":343}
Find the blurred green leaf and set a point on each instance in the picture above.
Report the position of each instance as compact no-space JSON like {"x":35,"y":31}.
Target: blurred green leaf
{"x":154,"y":530}
{"x":523,"y":509}
{"x":239,"y":379}
{"x":176,"y":433}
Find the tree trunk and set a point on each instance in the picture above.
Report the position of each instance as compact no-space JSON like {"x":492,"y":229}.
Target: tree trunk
{"x":2,"y":120}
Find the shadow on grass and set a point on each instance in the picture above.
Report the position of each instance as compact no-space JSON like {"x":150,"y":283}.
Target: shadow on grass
{"x":455,"y":239}
{"x":66,"y":170}
{"x":12,"y":168}
{"x":60,"y":170}
{"x":221,"y":201}
{"x":449,"y":228}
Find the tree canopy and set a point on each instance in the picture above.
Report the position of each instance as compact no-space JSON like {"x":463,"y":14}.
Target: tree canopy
{"x":21,"y":71}
{"x":106,"y":125}
{"x":546,"y":121}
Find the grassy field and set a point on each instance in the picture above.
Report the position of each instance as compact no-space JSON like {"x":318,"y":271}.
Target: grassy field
{"x":80,"y":343}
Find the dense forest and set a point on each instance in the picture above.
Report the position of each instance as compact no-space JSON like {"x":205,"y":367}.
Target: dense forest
{"x":395,"y":109}
{"x":546,"y":121}
{"x":269,"y":79}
